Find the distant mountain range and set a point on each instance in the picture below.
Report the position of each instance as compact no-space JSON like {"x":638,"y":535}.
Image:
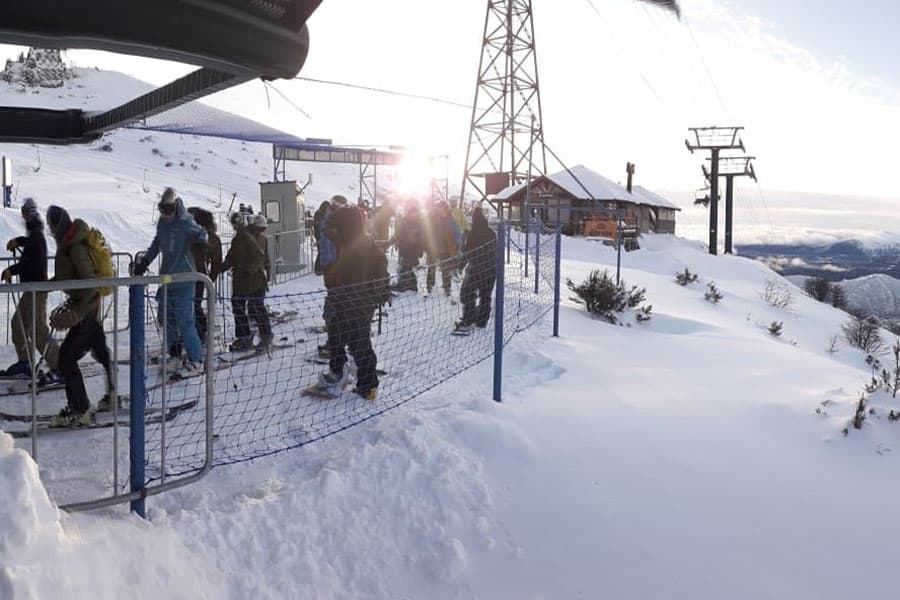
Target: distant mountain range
{"x":870,"y":276}
{"x":849,"y":259}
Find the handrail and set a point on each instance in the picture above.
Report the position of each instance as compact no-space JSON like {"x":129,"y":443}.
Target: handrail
{"x":163,"y":280}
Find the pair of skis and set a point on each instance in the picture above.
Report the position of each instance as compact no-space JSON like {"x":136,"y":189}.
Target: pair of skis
{"x":99,"y":420}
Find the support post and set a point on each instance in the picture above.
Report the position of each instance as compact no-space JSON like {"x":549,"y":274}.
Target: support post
{"x":557,"y":277}
{"x":729,"y":213}
{"x":537,"y":257}
{"x":138,"y":394}
{"x":619,"y":239}
{"x":714,"y":204}
{"x":498,"y":312}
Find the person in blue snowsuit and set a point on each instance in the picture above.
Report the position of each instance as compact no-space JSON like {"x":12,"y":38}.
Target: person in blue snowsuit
{"x":177,"y":235}
{"x":328,"y":256}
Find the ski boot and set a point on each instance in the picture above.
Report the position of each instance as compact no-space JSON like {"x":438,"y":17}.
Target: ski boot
{"x":51,"y":378}
{"x":241,"y":345}
{"x":67,"y":417}
{"x":17,"y":369}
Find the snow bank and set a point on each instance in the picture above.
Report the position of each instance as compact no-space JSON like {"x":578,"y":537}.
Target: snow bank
{"x":29,"y":523}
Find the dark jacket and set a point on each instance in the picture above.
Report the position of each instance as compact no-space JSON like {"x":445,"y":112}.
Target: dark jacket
{"x":480,"y":252}
{"x":32,"y":266}
{"x":207,"y":260}
{"x":361,"y":276}
{"x":249,"y":263}
{"x":410,"y":236}
{"x":73,"y":261}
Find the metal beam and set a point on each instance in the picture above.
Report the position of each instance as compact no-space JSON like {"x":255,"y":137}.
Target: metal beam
{"x":192,"y":86}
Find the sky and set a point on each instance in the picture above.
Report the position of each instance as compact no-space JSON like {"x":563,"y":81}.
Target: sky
{"x":813,"y":83}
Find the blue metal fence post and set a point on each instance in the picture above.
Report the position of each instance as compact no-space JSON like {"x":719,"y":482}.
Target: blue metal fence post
{"x":138,"y":393}
{"x":498,"y":312}
{"x":537,"y":258}
{"x":557,"y":277}
{"x":527,"y":244}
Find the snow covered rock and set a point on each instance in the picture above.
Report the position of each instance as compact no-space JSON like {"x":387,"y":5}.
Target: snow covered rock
{"x":39,"y":68}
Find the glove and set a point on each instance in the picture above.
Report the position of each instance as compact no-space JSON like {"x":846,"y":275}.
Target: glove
{"x":6,"y":275}
{"x":139,"y":268}
{"x":64,"y":317}
{"x":12,"y":245}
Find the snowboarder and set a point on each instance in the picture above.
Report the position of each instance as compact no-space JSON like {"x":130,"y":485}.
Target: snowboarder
{"x":361,"y":286}
{"x":177,"y":235}
{"x":32,"y":266}
{"x":207,"y":261}
{"x":443,"y":246}
{"x":480,"y":253}
{"x":248,"y":283}
{"x":80,"y":315}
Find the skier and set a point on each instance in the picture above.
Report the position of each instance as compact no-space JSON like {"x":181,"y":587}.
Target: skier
{"x":323,"y":210}
{"x":249,"y":283}
{"x":328,"y":257}
{"x":480,"y":253}
{"x":410,"y":241}
{"x":32,"y":266}
{"x":443,"y":246}
{"x":361,"y":286}
{"x":381,"y":224}
{"x":176,"y":236}
{"x":208,"y":262}
{"x":80,"y":315}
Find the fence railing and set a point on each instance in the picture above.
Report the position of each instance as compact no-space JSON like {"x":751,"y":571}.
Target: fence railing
{"x":121,"y":262}
{"x":28,"y":413}
{"x":254,"y":404}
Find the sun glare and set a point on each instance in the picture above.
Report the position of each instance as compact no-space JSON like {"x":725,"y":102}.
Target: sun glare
{"x":414,"y":176}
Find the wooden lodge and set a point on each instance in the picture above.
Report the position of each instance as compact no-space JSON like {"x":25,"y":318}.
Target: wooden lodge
{"x":586,"y":204}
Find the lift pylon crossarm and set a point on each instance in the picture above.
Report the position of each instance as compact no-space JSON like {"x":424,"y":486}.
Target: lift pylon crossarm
{"x":715,"y":138}
{"x":733,"y":165}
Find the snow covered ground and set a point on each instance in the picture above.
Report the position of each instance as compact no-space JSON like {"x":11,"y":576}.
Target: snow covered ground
{"x":684,"y":458}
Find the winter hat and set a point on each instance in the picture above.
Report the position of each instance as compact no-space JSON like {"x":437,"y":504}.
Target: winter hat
{"x":168,"y":199}
{"x":29,"y":210}
{"x":478,"y":218}
{"x":58,"y":220}
{"x":236,"y":219}
{"x":258,"y":221}
{"x":338,"y":200}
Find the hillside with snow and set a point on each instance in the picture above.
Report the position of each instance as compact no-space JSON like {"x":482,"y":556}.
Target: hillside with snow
{"x":694,"y":456}
{"x":874,"y":295}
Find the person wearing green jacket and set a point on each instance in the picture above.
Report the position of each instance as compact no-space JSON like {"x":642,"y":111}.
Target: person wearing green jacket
{"x":247,"y":260}
{"x":80,"y":315}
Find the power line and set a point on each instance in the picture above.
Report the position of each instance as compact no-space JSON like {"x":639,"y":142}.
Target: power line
{"x":712,"y":80}
{"x":623,"y":50}
{"x":385,"y":91}
{"x":288,"y":100}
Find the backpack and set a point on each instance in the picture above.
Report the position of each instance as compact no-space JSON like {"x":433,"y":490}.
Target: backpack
{"x":379,"y":277}
{"x":101,"y":258}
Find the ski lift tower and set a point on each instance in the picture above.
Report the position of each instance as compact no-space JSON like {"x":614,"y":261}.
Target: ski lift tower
{"x":715,"y":140}
{"x":729,"y":168}
{"x":506,"y":132}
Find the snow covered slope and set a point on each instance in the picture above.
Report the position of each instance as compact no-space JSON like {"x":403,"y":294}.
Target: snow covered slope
{"x":874,"y":294}
{"x":695,"y":456}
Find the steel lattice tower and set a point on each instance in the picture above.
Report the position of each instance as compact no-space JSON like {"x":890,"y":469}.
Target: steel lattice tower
{"x":506,"y":135}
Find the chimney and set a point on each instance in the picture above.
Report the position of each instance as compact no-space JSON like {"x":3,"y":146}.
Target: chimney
{"x":629,"y":168}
